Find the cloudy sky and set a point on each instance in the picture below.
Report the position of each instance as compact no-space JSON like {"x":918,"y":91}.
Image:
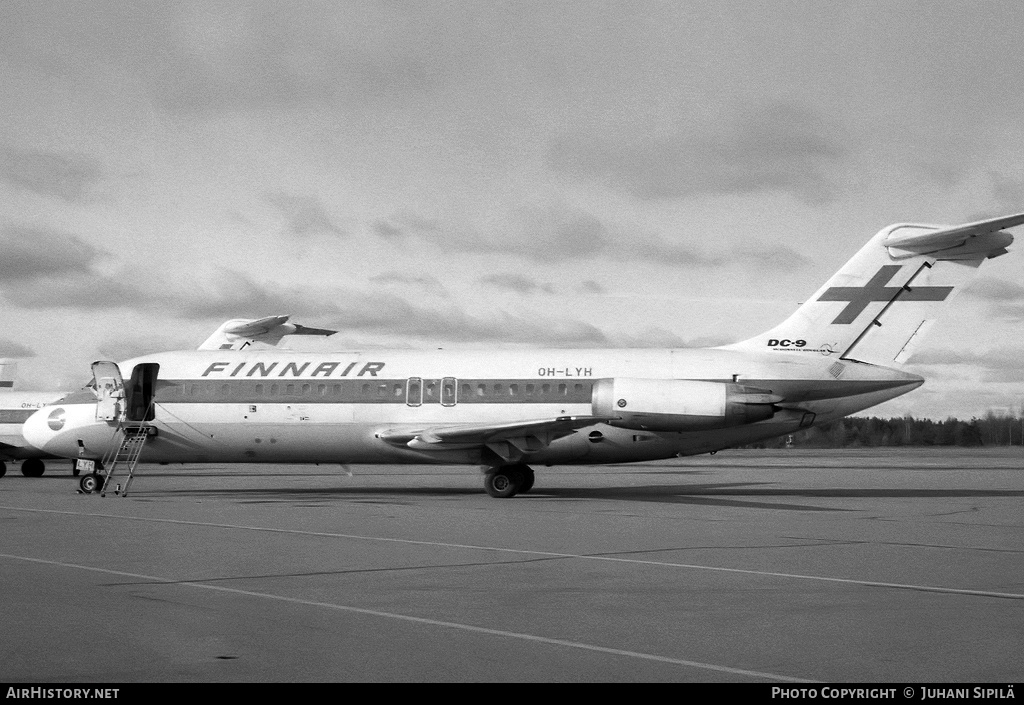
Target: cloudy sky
{"x":496,"y":174}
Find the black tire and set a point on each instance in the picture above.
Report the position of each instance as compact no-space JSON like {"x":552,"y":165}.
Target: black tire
{"x":33,"y":467}
{"x":3,"y":468}
{"x":503,"y":482}
{"x":528,"y":478}
{"x":90,"y":483}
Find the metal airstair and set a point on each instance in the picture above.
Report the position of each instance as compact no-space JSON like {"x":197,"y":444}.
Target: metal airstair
{"x":124,"y":454}
{"x":130,"y":408}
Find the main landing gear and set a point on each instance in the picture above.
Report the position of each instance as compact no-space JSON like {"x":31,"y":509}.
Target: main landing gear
{"x":32,"y":467}
{"x":508,"y":480}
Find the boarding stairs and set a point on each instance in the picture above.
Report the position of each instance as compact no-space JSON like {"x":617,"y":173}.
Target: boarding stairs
{"x":124,"y":454}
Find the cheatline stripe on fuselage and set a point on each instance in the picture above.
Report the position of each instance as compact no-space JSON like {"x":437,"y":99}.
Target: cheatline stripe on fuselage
{"x":377,"y":391}
{"x":447,"y":391}
{"x":15,"y":416}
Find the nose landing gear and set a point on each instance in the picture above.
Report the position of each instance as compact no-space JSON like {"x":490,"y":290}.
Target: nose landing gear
{"x":90,"y":483}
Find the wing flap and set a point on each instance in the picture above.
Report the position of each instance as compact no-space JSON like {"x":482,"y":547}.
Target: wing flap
{"x":510,"y":441}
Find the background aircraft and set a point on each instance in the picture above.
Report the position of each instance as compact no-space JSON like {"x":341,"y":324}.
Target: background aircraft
{"x":16,"y":407}
{"x":839,"y":353}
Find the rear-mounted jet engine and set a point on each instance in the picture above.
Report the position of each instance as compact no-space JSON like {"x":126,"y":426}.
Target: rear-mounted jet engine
{"x":680,"y":405}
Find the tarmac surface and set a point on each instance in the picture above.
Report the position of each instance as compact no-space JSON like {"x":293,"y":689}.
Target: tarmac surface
{"x":873,"y":565}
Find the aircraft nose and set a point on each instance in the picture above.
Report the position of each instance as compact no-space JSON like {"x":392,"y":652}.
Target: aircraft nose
{"x":56,"y":429}
{"x":43,"y":426}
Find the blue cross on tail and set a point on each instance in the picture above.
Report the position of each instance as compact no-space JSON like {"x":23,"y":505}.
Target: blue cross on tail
{"x":876,"y":290}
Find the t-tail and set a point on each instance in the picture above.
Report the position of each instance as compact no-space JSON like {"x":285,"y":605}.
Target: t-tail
{"x":879,"y":306}
{"x":8,"y":372}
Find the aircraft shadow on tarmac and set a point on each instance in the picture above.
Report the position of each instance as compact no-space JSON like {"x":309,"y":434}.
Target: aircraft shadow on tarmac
{"x":750,"y":495}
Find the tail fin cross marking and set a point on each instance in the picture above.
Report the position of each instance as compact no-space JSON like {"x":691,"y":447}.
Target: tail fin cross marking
{"x":876,"y":290}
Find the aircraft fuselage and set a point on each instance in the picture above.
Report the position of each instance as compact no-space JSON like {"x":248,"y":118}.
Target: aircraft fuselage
{"x":347,"y":407}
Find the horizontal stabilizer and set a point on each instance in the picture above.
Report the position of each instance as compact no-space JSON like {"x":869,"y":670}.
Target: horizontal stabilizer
{"x":980,"y":240}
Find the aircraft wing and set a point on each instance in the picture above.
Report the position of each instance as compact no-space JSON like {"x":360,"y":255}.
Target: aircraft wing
{"x":240,"y":333}
{"x":510,"y":441}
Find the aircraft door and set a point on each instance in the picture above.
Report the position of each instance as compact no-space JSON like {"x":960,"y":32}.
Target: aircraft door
{"x":449,"y":390}
{"x":108,"y":386}
{"x":414,"y":391}
{"x":140,"y":392}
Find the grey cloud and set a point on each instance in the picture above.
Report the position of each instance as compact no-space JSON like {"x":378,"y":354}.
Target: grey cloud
{"x":304,"y":215}
{"x":996,"y":290}
{"x":124,"y":348}
{"x":80,"y":291}
{"x":781,"y":147}
{"x":429,"y":285}
{"x":393,"y":316}
{"x":1004,"y":364}
{"x":29,"y":253}
{"x":1008,"y":193}
{"x":1006,"y":298}
{"x":69,"y":177}
{"x":517,"y":283}
{"x":562,"y":232}
{"x":10,"y":348}
{"x":215,"y":57}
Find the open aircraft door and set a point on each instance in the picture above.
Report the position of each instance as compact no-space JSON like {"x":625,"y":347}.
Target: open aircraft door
{"x":108,"y":386}
{"x":140,"y":391}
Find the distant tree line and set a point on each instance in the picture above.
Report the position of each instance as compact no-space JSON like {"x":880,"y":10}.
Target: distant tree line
{"x":867,"y":432}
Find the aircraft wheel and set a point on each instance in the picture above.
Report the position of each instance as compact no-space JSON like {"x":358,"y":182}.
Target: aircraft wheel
{"x":33,"y":467}
{"x":90,"y":483}
{"x":3,"y":468}
{"x":503,"y":482}
{"x":528,"y":478}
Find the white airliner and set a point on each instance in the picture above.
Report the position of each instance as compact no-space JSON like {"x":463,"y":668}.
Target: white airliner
{"x":16,"y":407}
{"x":839,"y":353}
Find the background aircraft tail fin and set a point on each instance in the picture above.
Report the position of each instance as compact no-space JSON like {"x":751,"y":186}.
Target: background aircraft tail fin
{"x":8,"y":372}
{"x":240,"y":333}
{"x":879,"y":306}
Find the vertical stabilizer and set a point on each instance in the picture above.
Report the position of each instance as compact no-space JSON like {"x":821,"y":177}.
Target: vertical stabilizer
{"x":879,"y":306}
{"x":8,"y":371}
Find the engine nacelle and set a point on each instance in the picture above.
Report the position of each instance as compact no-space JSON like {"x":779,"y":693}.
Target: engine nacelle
{"x":680,"y":405}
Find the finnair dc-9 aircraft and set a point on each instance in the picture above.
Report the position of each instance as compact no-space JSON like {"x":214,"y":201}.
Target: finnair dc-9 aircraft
{"x":839,"y":353}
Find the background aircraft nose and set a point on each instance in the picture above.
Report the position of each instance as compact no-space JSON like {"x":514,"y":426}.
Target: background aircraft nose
{"x":41,"y":427}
